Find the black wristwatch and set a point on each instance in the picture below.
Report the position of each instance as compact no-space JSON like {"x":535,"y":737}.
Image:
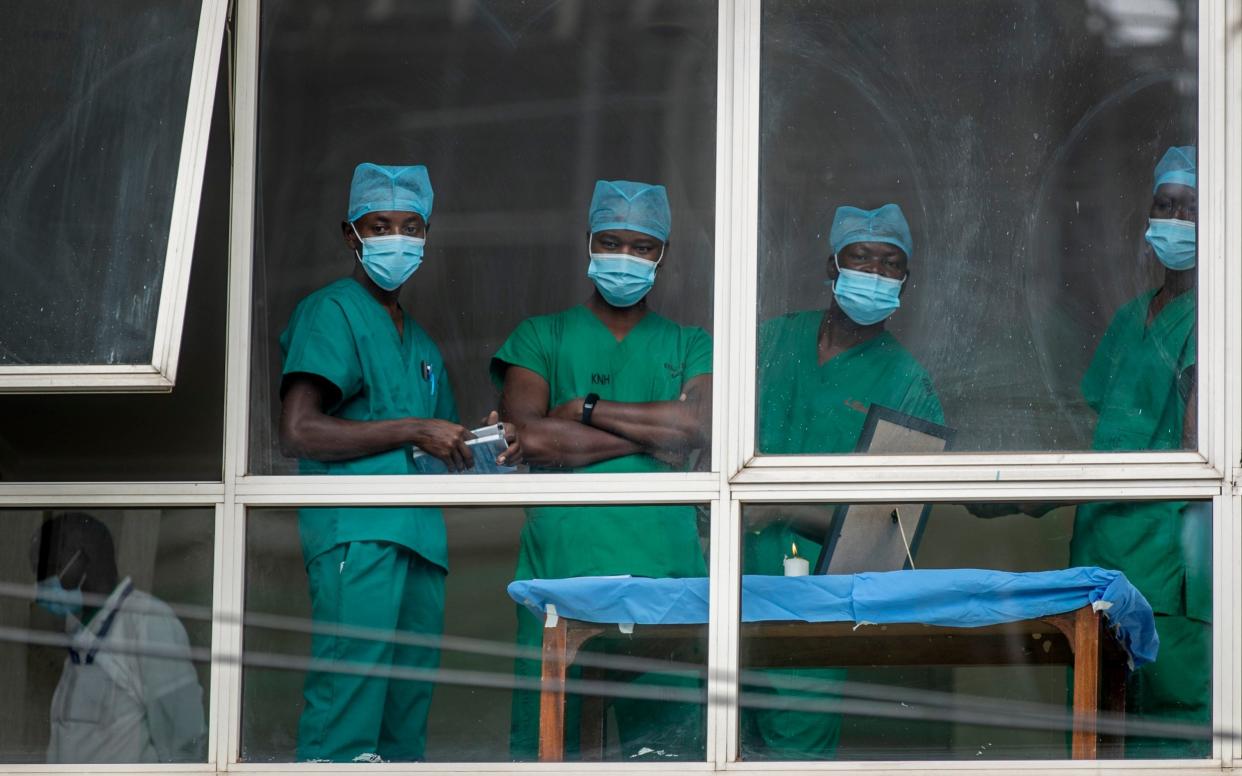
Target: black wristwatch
{"x":588,"y":406}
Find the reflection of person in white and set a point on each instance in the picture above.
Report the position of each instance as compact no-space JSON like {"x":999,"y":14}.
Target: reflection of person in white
{"x":139,"y":702}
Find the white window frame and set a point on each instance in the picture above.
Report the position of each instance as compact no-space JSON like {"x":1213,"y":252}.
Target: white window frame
{"x":738,"y":477}
{"x":160,"y":375}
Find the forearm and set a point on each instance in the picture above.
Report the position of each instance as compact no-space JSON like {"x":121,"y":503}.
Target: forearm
{"x":566,"y":444}
{"x":326,"y":438}
{"x":658,"y":425}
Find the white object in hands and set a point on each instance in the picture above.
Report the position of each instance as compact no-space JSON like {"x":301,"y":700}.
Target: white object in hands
{"x":488,"y":442}
{"x":795,"y":566}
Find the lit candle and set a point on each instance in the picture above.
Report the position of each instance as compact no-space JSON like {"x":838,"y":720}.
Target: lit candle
{"x":795,"y":566}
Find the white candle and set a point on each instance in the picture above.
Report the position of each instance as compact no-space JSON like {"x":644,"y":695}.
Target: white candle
{"x":795,"y":566}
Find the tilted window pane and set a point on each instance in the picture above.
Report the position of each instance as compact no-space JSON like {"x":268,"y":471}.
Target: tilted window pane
{"x":969,"y":646}
{"x":89,"y":170}
{"x":107,"y":646}
{"x":112,"y":436}
{"x":516,"y":111}
{"x":1032,"y":286}
{"x":409,"y":662}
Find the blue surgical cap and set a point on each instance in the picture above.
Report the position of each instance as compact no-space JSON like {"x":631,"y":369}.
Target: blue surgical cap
{"x":1178,"y":165}
{"x":386,"y":187}
{"x":640,"y":207}
{"x":885,"y":224}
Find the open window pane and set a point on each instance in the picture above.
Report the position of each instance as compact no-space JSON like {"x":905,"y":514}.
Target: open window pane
{"x":106,"y":615}
{"x":956,"y":631}
{"x":410,"y":663}
{"x":1032,"y":286}
{"x":101,"y":167}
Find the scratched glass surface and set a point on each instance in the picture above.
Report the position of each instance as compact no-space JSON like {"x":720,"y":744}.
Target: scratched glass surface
{"x":473,"y":715}
{"x":992,"y":680}
{"x":1019,"y":137}
{"x":516,"y":109}
{"x":87,"y":174}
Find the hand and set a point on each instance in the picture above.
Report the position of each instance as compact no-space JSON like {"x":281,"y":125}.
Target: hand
{"x":570,"y":410}
{"x":444,"y":440}
{"x":512,"y":456}
{"x":674,"y":458}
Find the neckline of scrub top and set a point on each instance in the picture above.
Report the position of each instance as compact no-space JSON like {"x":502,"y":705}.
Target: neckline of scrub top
{"x":405,"y":317}
{"x":851,"y":351}
{"x":87,"y":637}
{"x":1171,"y":309}
{"x":641,"y":322}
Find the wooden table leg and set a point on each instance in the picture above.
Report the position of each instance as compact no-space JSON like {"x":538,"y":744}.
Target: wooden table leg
{"x":552,"y":694}
{"x":1086,"y":645}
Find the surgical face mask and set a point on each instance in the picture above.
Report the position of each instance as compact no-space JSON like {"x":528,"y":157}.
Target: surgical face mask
{"x":389,"y":260}
{"x":53,"y":597}
{"x":622,"y":279}
{"x":1173,"y":240}
{"x":865,"y":297}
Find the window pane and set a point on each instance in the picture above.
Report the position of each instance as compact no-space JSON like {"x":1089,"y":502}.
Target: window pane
{"x":516,"y":110}
{"x":89,"y":171}
{"x":143,"y":437}
{"x":961,"y":659}
{"x":1025,"y":166}
{"x":131,"y":685}
{"x":398,"y":601}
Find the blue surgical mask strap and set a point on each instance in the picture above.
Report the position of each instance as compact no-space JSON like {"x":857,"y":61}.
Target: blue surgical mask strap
{"x":357,"y":255}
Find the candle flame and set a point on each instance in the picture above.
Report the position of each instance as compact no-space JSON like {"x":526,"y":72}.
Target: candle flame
{"x":794,"y":546}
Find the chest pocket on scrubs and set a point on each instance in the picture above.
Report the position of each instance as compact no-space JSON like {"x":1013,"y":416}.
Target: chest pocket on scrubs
{"x":90,"y":694}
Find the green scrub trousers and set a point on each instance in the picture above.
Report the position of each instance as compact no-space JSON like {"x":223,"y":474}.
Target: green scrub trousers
{"x":377,"y":567}
{"x":576,"y":354}
{"x":808,"y":408}
{"x":386,"y":587}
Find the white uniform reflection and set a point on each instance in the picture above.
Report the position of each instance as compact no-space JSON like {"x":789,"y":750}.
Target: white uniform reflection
{"x":137,"y":703}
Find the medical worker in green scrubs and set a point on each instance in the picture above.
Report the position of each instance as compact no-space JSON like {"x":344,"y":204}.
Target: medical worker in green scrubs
{"x":820,"y":371}
{"x":362,"y":383}
{"x":1141,"y":382}
{"x":610,"y":386}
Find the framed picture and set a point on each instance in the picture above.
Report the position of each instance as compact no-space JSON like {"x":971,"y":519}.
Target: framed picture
{"x":882,"y":537}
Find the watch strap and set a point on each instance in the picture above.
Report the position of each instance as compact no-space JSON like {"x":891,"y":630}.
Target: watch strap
{"x":588,"y":406}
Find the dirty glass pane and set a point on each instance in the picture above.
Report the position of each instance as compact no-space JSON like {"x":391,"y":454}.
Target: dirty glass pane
{"x":1020,"y":139}
{"x":89,"y":169}
{"x":106,"y":656}
{"x":967,"y":646}
{"x":516,"y":110}
{"x":417,"y":664}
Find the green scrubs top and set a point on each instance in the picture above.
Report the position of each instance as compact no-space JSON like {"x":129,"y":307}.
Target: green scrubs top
{"x":577,"y":354}
{"x":808,"y":408}
{"x":344,"y":335}
{"x":1138,"y":382}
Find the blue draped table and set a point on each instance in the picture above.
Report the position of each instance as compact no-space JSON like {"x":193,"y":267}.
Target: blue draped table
{"x":928,"y":617}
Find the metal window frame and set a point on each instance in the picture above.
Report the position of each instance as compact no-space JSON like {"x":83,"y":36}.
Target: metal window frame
{"x":738,"y":477}
{"x":160,"y":374}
